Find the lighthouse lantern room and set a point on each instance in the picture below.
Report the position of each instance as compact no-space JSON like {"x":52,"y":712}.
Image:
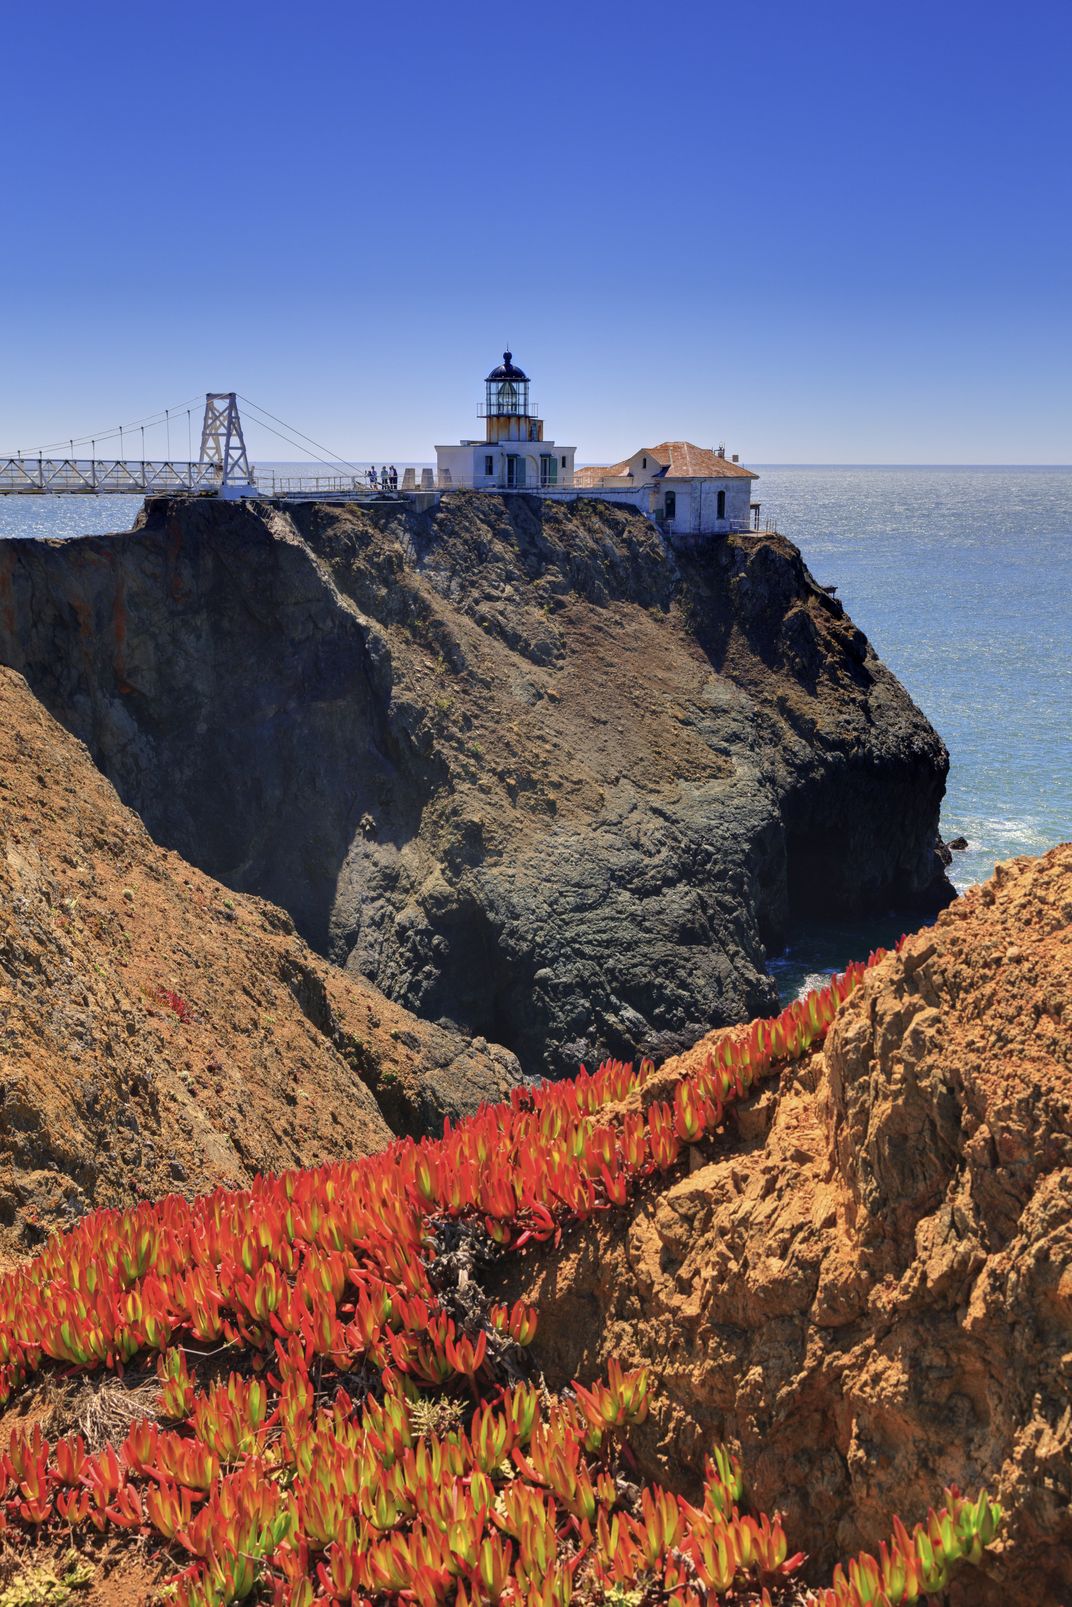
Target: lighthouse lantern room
{"x":513,"y":454}
{"x":507,"y":413}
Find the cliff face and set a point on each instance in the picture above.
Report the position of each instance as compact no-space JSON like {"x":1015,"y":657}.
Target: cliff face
{"x":517,"y":763}
{"x":865,"y":1285}
{"x":160,"y":1034}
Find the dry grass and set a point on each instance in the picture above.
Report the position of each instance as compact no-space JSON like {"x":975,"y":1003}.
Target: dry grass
{"x":106,"y":1408}
{"x":100,"y":1408}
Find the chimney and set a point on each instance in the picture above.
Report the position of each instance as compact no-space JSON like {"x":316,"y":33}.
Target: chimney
{"x":736,"y":458}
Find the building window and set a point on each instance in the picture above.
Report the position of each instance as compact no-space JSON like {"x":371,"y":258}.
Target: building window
{"x":670,"y":505}
{"x":721,"y":505}
{"x":548,"y":469}
{"x":489,"y":466}
{"x":564,"y":465}
{"x":643,"y":463}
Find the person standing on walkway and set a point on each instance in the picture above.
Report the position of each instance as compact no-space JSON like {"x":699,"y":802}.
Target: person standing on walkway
{"x":371,"y":477}
{"x":394,"y":478}
{"x":385,"y":483}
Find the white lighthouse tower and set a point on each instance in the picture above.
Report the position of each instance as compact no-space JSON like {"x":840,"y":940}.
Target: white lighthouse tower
{"x":513,"y":456}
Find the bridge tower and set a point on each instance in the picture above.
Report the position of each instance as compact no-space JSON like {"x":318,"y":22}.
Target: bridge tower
{"x":223,"y":444}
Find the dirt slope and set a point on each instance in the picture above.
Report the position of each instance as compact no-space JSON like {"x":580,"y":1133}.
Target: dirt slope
{"x":159,"y":1033}
{"x":869,"y":1289}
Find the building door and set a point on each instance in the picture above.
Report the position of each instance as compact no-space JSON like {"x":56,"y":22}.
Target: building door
{"x":670,"y":506}
{"x":515,"y":470}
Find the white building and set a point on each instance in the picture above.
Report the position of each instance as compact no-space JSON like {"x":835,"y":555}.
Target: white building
{"x":513,"y":454}
{"x":687,"y":489}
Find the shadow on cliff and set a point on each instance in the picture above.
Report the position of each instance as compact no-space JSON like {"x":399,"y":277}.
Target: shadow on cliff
{"x":242,"y":712}
{"x":761,"y":620}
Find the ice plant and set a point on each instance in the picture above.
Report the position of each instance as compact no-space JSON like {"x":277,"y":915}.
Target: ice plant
{"x":911,"y":1567}
{"x":175,"y":1003}
{"x":364,"y":1440}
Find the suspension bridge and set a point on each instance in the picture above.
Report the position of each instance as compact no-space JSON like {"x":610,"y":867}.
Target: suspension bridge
{"x":221,"y":468}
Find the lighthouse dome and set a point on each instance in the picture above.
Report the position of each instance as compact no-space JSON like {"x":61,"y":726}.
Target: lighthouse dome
{"x":508,"y":369}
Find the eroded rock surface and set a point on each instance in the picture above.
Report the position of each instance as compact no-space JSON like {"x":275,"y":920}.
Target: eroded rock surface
{"x":519,"y":763}
{"x":867,"y":1284}
{"x":159,"y":1033}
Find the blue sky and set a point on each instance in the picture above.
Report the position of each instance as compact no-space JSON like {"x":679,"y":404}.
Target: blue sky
{"x":822,"y":233}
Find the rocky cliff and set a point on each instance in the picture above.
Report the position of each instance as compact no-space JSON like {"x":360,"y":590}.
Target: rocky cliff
{"x":868,"y":1288}
{"x":521,"y":765}
{"x":159,"y":1033}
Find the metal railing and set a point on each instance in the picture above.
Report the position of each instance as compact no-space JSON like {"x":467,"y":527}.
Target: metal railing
{"x":500,"y":410}
{"x":281,"y":485}
{"x":343,"y":485}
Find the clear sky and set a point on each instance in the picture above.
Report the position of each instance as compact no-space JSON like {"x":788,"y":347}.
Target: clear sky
{"x":825,"y":232}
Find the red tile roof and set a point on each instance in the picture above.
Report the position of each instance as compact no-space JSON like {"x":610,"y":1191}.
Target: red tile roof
{"x":678,"y":460}
{"x":687,"y":462}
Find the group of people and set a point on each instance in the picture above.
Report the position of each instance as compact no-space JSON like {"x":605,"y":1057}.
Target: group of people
{"x":386,"y":480}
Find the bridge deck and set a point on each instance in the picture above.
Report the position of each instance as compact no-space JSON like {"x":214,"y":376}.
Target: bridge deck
{"x":49,"y":476}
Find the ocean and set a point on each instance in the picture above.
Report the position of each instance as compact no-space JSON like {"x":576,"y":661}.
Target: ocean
{"x":962,"y":579}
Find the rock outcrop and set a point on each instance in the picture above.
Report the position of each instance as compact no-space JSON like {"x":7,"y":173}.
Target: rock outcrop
{"x":523,"y":766}
{"x":159,"y":1033}
{"x":866,"y":1284}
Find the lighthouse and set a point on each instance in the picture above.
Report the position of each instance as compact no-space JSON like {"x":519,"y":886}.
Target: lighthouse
{"x":513,"y":455}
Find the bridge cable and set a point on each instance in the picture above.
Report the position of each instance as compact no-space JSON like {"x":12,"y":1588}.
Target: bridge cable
{"x":103,"y":435}
{"x":328,"y":463}
{"x":331,"y":461}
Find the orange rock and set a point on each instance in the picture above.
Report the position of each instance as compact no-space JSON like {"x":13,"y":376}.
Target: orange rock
{"x":868,"y":1291}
